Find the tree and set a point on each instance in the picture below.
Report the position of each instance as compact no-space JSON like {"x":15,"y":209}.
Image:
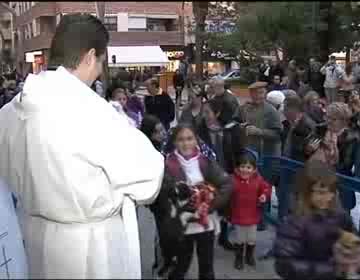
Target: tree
{"x":200,"y":11}
{"x":285,"y":27}
{"x":100,"y":13}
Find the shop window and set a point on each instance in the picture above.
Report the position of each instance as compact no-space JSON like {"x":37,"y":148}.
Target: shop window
{"x":110,"y":23}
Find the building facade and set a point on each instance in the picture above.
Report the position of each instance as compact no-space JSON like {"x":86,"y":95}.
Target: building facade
{"x":7,"y":53}
{"x":129,"y":24}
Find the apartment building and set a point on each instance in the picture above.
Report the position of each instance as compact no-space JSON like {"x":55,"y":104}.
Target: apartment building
{"x":6,"y":38}
{"x":129,"y":24}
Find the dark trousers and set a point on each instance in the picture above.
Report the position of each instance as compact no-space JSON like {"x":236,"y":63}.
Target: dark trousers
{"x":205,"y":253}
{"x":178,"y":91}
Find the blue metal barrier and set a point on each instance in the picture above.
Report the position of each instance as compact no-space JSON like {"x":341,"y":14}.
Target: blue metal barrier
{"x":285,"y":170}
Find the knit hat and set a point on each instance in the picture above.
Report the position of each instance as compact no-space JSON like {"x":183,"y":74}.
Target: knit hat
{"x":250,"y":152}
{"x":275,"y":97}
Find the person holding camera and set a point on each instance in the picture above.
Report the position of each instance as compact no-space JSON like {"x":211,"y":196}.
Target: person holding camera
{"x":333,"y":73}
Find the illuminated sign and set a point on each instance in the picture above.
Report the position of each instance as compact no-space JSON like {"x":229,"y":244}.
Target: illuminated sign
{"x":175,"y":54}
{"x":39,"y":59}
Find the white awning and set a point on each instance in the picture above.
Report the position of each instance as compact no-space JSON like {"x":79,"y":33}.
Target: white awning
{"x":137,"y":56}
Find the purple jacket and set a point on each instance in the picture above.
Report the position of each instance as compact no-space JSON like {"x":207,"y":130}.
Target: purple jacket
{"x":304,"y":245}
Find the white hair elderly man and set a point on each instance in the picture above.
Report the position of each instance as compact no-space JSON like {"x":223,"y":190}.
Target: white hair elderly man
{"x":231,"y":106}
{"x":276,"y":98}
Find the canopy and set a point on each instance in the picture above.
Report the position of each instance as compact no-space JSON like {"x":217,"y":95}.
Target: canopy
{"x":137,"y":56}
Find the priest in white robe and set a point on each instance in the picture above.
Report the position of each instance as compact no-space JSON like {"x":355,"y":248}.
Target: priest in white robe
{"x":77,"y":167}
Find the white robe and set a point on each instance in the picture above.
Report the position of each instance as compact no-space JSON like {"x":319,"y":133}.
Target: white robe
{"x":77,"y":167}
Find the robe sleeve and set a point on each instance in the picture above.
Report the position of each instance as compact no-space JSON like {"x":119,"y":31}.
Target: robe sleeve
{"x":133,"y":166}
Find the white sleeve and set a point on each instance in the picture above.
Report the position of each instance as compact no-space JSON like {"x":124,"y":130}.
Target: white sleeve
{"x":132,"y":164}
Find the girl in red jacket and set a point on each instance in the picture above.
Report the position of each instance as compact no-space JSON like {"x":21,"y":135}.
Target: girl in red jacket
{"x":250,"y":192}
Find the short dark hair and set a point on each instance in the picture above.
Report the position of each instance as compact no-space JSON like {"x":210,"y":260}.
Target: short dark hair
{"x":245,"y":158}
{"x":293,"y":102}
{"x":149,"y":124}
{"x":75,"y":35}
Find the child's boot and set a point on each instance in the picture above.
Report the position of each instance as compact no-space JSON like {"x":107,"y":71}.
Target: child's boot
{"x":239,"y":257}
{"x":250,"y":255}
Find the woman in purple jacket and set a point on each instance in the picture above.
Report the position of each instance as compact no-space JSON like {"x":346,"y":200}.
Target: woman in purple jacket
{"x":305,"y":241}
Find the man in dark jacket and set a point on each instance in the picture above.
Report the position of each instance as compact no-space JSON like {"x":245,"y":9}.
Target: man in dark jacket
{"x":159,"y":103}
{"x":301,"y":129}
{"x":178,"y":82}
{"x":231,"y":106}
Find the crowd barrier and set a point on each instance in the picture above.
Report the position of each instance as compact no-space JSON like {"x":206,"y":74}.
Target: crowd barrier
{"x":281,"y":171}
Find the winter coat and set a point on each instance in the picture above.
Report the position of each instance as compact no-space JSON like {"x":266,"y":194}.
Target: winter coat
{"x":268,"y":119}
{"x":188,"y":117}
{"x":333,"y":73}
{"x":316,"y":78}
{"x":233,"y":141}
{"x":169,"y":228}
{"x":231,"y":108}
{"x":349,"y":157}
{"x":162,"y":107}
{"x":298,"y":138}
{"x":245,"y":207}
{"x":178,"y":80}
{"x":304,"y":245}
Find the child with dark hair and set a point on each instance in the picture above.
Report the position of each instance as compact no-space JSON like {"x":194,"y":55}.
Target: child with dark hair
{"x":194,"y":188}
{"x":250,"y":192}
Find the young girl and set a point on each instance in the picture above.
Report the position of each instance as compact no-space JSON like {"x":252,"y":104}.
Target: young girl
{"x":188,"y":168}
{"x":305,"y":242}
{"x":119,"y":100}
{"x":249,"y":194}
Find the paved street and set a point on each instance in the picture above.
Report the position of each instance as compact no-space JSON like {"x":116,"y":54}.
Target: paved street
{"x":223,"y":259}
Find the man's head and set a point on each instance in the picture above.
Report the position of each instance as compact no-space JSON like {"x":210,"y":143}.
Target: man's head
{"x":276,"y":80}
{"x":332,"y":59}
{"x":293,"y":108}
{"x":79,"y":45}
{"x":152,"y":86}
{"x":292,"y":64}
{"x":218,"y":86}
{"x":275,"y":98}
{"x":258,"y":92}
{"x":312,"y":61}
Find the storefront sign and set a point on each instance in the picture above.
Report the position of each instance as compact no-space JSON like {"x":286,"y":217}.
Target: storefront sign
{"x":175,"y":54}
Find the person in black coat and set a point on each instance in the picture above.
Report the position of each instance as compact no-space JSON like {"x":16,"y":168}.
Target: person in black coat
{"x":178,"y":82}
{"x":227,"y":139}
{"x":159,"y":103}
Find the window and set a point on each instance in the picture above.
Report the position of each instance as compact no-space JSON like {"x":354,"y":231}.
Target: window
{"x":137,"y":23}
{"x":110,"y":23}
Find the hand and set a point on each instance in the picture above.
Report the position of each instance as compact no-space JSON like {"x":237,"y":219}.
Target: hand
{"x":262,"y":198}
{"x":252,"y":130}
{"x":313,"y":146}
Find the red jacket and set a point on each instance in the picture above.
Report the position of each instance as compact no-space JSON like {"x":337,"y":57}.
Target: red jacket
{"x":245,"y":205}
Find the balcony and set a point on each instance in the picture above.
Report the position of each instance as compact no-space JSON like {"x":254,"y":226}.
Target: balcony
{"x":43,"y":41}
{"x":41,"y":9}
{"x":6,"y":33}
{"x":143,"y":38}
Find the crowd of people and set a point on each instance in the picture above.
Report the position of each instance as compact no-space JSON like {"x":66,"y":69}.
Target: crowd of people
{"x":79,"y":174}
{"x":291,"y":117}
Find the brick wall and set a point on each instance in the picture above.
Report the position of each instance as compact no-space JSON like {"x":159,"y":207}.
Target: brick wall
{"x":173,"y":38}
